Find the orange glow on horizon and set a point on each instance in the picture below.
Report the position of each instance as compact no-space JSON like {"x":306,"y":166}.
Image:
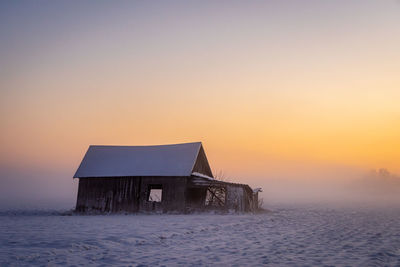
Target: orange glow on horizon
{"x":270,"y":95}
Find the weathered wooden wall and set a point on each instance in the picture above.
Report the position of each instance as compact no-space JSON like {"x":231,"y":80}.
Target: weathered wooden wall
{"x":235,"y":199}
{"x":180,"y":194}
{"x":130,"y":194}
{"x":239,"y":197}
{"x":195,"y":198}
{"x":108,"y":194}
{"x":173,"y":194}
{"x":255,"y":201}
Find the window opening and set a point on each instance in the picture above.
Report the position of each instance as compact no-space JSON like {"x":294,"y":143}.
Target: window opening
{"x":155,"y":193}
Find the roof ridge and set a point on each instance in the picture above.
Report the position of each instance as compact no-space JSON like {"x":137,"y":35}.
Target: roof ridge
{"x":177,"y":144}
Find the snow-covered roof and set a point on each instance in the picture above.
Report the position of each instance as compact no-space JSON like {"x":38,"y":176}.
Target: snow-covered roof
{"x":162,"y":160}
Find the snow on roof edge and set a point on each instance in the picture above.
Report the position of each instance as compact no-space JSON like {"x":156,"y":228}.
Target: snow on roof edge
{"x":202,"y":176}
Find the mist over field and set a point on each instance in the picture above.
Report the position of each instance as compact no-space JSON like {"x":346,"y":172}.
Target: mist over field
{"x":55,"y":189}
{"x":349,"y":191}
{"x":37,"y":188}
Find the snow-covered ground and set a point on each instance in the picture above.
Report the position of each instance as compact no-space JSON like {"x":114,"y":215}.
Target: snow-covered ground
{"x":287,"y":236}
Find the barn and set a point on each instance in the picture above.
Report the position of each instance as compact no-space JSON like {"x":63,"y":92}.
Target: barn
{"x":162,"y":178}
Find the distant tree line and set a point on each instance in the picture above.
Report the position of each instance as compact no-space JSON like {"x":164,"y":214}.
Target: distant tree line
{"x":382,"y":179}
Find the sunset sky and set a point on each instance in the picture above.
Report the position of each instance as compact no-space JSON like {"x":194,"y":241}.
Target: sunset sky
{"x":271,"y":88}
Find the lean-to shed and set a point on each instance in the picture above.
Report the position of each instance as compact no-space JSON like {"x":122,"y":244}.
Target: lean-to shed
{"x":164,"y":178}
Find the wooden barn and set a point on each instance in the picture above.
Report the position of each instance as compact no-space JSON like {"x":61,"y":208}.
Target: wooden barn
{"x":165,"y":178}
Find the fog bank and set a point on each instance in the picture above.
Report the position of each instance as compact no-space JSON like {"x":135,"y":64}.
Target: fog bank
{"x":374,"y":188}
{"x":40,"y":188}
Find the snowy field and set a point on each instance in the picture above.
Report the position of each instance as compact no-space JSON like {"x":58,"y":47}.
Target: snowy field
{"x":284,"y":237}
